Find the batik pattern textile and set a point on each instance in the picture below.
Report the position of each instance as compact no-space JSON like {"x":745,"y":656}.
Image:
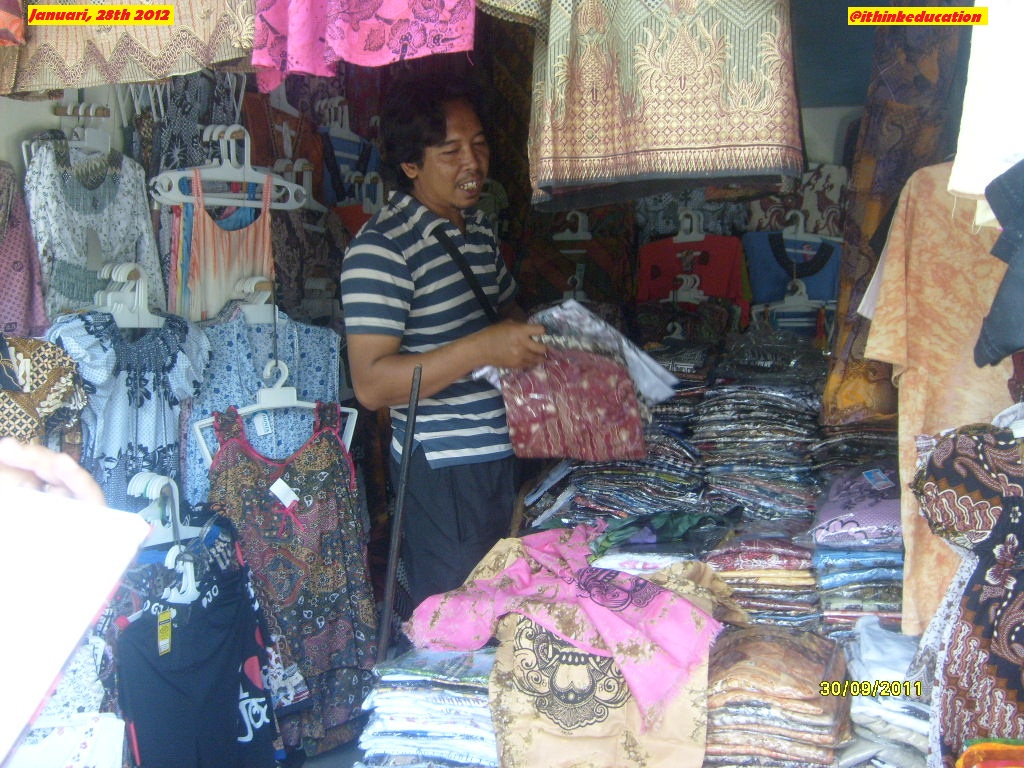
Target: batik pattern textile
{"x":305,"y":544}
{"x":22,"y":312}
{"x":135,"y":388}
{"x":79,"y":56}
{"x":981,"y":692}
{"x":86,"y":211}
{"x":610,"y":83}
{"x":12,"y":23}
{"x":905,"y":125}
{"x":312,"y":36}
{"x":559,"y":707}
{"x":938,"y":283}
{"x":657,"y":638}
{"x":49,"y":384}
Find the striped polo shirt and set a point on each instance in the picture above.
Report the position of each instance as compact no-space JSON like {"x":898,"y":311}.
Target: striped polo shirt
{"x":398,"y":279}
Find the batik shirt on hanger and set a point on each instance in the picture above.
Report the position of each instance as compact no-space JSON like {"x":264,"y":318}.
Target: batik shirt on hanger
{"x":136,"y":388}
{"x":86,"y":211}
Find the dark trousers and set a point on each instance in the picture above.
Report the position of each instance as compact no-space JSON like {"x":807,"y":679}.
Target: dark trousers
{"x":452,"y":518}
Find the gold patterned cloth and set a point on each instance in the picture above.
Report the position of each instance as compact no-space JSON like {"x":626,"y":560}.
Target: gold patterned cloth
{"x":204,"y":32}
{"x":52,"y":394}
{"x":632,"y":98}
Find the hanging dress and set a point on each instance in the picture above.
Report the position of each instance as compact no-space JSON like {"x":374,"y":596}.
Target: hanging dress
{"x":136,"y":387}
{"x":86,"y":211}
{"x":306,"y":546}
{"x":221,"y":257}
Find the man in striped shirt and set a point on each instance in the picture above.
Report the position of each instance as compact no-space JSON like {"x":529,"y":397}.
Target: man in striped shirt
{"x":407,"y":303}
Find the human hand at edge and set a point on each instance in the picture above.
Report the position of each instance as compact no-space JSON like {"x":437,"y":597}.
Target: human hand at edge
{"x":26,"y":465}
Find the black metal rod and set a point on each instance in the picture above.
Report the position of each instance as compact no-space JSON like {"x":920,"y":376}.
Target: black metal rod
{"x":394,"y":547}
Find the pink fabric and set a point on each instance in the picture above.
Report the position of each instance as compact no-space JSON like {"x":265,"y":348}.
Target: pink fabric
{"x":22,"y":310}
{"x":655,"y":636}
{"x":312,"y":36}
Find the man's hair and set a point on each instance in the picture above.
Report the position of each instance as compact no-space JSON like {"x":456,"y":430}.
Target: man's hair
{"x":413,"y":118}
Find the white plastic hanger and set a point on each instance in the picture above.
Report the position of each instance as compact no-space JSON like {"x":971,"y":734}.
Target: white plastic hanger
{"x":691,"y":227}
{"x":256,"y":293}
{"x":164,"y":511}
{"x":795,"y":311}
{"x":285,"y":195}
{"x":270,"y":398}
{"x":128,"y":302}
{"x":89,"y":138}
{"x":688,"y":291}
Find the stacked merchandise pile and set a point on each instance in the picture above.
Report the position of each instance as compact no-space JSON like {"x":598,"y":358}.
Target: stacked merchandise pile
{"x":656,"y":509}
{"x":430,"y":708}
{"x":754,"y":439}
{"x":889,"y":720}
{"x":765,"y":700}
{"x":770,"y":575}
{"x":858,"y":542}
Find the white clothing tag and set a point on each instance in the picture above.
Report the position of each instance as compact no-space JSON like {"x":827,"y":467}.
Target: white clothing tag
{"x":283,"y":491}
{"x":263,"y":424}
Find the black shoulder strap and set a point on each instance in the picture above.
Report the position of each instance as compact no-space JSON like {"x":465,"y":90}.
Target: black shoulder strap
{"x":460,"y":260}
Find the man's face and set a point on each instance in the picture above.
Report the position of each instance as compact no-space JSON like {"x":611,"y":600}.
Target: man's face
{"x":452,"y":174}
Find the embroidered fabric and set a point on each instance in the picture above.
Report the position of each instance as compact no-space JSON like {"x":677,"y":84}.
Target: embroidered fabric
{"x":586,"y":150}
{"x":78,"y":56}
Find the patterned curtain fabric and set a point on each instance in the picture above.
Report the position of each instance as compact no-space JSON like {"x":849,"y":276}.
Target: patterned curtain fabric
{"x":912,"y":105}
{"x":204,"y":32}
{"x":632,"y":98}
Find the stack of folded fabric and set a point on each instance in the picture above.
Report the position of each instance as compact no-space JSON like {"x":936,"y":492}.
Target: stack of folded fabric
{"x":430,"y":708}
{"x":765,"y":700}
{"x":858,"y":543}
{"x":889,"y":713}
{"x":754,"y":440}
{"x":770,"y":575}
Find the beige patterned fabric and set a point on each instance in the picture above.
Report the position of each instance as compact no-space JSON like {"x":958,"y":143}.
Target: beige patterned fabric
{"x":938,"y":282}
{"x":630,"y":98}
{"x":203,"y":33}
{"x":556,"y":706}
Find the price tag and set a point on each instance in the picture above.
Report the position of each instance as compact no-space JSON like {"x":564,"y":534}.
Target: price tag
{"x":284,"y":492}
{"x":263,"y":424}
{"x":163,"y":632}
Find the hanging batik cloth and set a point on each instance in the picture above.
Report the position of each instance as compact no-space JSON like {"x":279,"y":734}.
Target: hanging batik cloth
{"x":312,"y":36}
{"x":306,"y":546}
{"x":46,"y":395}
{"x":972,"y":494}
{"x":631,"y":99}
{"x":82,"y":55}
{"x":905,"y":125}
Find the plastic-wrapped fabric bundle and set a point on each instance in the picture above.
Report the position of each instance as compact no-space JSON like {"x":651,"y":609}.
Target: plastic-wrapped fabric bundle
{"x":861,"y":509}
{"x":577,"y":404}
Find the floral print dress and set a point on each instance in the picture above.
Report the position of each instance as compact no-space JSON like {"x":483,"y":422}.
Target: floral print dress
{"x":302,"y":538}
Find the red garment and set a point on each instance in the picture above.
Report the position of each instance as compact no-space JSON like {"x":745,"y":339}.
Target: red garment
{"x":717,"y":260}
